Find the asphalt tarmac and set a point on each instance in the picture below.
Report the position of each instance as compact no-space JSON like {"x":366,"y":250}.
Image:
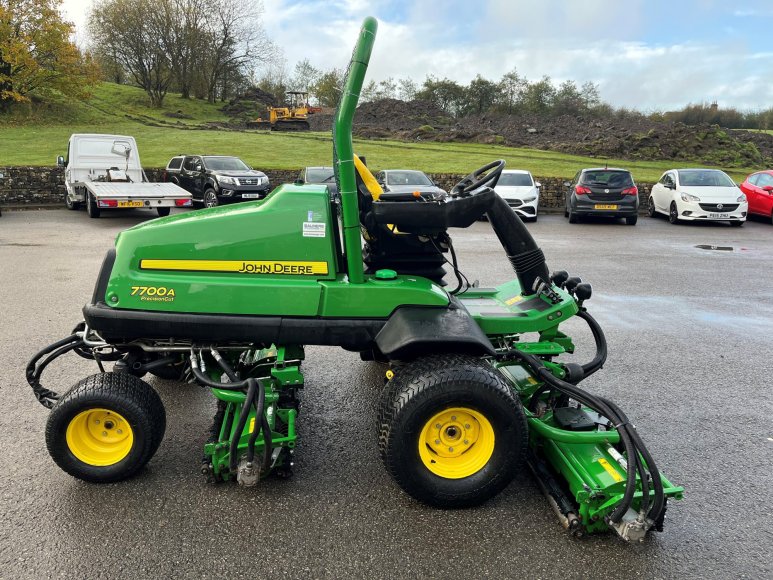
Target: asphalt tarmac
{"x":689,"y":334}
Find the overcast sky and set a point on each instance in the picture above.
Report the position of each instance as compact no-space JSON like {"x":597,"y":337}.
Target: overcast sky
{"x":645,"y":54}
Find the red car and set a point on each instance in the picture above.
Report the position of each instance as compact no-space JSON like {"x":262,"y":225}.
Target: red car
{"x":758,"y":188}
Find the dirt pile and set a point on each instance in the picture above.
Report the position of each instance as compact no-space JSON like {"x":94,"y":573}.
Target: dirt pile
{"x":620,"y":135}
{"x":249,"y":105}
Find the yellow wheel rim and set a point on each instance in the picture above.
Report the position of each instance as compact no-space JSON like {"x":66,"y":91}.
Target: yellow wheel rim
{"x":99,"y":437}
{"x":456,"y":443}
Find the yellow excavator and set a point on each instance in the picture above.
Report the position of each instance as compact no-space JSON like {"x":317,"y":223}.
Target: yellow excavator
{"x":292,"y":117}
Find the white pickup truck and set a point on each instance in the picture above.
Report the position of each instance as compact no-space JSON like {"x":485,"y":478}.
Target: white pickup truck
{"x":104,"y":172}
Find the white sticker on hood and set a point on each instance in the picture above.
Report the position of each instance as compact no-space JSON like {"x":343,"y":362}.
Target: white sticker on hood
{"x":314,"y":229}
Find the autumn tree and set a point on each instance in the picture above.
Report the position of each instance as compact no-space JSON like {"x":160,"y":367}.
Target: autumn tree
{"x":37,"y":55}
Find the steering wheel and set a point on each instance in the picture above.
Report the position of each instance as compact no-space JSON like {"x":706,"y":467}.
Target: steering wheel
{"x":486,"y":175}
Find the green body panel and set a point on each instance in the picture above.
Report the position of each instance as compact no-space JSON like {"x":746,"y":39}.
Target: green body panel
{"x":378,"y":298}
{"x":503,"y":310}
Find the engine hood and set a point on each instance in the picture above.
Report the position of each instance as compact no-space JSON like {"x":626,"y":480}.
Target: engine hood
{"x":238,"y":173}
{"x":516,"y":191}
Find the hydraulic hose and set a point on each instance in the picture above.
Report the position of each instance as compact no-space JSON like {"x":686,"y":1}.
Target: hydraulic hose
{"x":601,"y":344}
{"x":252,"y":386}
{"x":259,"y":405}
{"x":524,"y":254}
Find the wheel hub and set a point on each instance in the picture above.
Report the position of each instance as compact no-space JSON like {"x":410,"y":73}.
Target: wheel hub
{"x":456,"y":443}
{"x":99,"y":437}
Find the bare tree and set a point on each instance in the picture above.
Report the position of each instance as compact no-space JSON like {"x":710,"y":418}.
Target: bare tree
{"x":128,"y":32}
{"x":234,"y":38}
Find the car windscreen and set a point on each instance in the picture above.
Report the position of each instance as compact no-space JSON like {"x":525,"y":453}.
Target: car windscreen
{"x":225,"y":164}
{"x":704,"y":178}
{"x":607,"y":178}
{"x":319,"y":174}
{"x":407,"y":178}
{"x":515,"y":180}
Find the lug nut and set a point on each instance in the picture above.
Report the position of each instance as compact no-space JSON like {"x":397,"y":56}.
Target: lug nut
{"x":453,"y":417}
{"x":466,"y":425}
{"x":119,"y":431}
{"x":96,"y":421}
{"x":437,"y":441}
{"x":104,"y":433}
{"x":466,"y":441}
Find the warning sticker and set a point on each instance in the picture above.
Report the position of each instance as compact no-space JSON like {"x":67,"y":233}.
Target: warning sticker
{"x":314,"y":229}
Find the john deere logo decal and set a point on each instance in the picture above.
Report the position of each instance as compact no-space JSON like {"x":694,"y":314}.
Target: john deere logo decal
{"x":284,"y":268}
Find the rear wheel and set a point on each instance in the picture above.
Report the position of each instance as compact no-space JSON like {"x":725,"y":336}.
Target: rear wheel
{"x":452,"y":434}
{"x":106,"y":428}
{"x":573,"y":218}
{"x":163,"y":211}
{"x":210,"y":198}
{"x":673,"y":214}
{"x":631,"y":221}
{"x":91,"y":206}
{"x":651,"y":208}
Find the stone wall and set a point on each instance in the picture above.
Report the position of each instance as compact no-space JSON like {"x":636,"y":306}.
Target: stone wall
{"x":36,"y":187}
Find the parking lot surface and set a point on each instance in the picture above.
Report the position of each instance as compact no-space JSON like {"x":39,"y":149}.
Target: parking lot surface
{"x":689,"y":333}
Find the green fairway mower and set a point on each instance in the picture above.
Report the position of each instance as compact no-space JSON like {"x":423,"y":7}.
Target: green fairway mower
{"x":228,"y":297}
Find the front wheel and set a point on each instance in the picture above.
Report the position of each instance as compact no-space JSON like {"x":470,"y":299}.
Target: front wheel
{"x":452,"y":434}
{"x":106,"y":428}
{"x":651,"y":208}
{"x":69,"y":203}
{"x":673,"y":214}
{"x":210,"y":198}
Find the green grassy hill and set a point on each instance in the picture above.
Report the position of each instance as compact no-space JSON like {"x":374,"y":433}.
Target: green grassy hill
{"x":36,"y":134}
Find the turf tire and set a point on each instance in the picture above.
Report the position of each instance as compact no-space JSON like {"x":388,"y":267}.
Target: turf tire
{"x":422,"y":388}
{"x":125,"y":394}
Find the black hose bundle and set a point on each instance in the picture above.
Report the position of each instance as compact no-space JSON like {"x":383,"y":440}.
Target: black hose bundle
{"x":639,"y":459}
{"x":47,"y":397}
{"x":255,"y":396}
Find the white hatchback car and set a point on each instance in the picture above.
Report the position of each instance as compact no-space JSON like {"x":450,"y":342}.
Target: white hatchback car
{"x":698,"y":195}
{"x":518,"y":188}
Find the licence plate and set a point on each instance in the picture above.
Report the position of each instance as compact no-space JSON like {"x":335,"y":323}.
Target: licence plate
{"x":130,"y":204}
{"x":250,"y":195}
{"x":717,"y":216}
{"x":604,"y":206}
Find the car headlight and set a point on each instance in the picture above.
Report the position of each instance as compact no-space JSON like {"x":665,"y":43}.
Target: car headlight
{"x":263,"y":180}
{"x":225,"y":180}
{"x":529,"y":199}
{"x":741,"y":198}
{"x":688,"y":197}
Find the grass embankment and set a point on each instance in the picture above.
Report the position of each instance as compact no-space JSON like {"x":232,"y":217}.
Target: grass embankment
{"x":36,"y":135}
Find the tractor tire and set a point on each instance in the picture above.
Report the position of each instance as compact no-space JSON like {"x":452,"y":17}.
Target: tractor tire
{"x":210,"y":198}
{"x":452,"y":434}
{"x":673,"y":214}
{"x":631,"y":221}
{"x":106,"y":427}
{"x":651,"y":211}
{"x":91,"y":206}
{"x":163,"y":211}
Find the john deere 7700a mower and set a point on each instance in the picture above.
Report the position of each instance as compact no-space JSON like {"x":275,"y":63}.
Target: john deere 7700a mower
{"x":227,"y":297}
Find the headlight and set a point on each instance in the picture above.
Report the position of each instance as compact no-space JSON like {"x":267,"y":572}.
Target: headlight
{"x":225,"y":180}
{"x":688,"y":197}
{"x":529,"y":199}
{"x":741,"y":198}
{"x":262,"y":180}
